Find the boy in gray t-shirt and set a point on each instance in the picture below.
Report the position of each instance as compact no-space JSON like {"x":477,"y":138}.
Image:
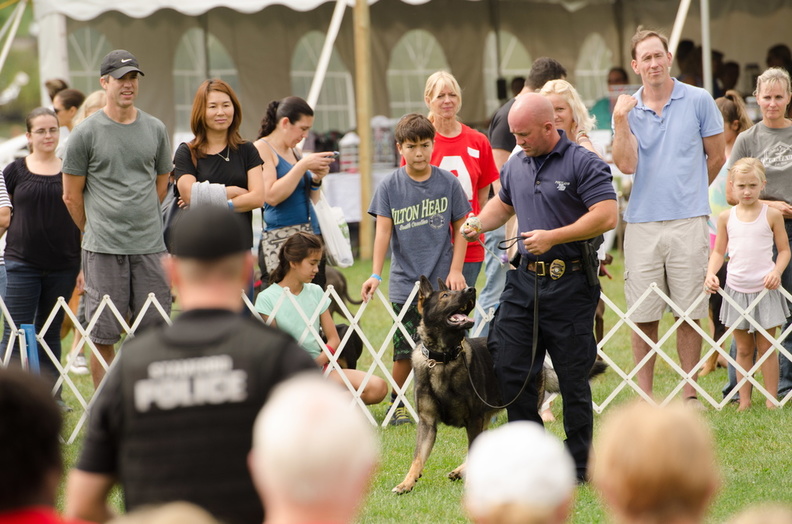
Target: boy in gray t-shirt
{"x":419,"y":210}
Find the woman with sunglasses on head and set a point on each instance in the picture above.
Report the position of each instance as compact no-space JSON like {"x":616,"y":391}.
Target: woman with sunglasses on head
{"x":43,"y":243}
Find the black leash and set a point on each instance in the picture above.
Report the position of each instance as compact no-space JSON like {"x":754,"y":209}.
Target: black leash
{"x":534,"y":342}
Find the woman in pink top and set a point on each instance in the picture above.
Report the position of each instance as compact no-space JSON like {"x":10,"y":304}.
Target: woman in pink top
{"x":749,"y":231}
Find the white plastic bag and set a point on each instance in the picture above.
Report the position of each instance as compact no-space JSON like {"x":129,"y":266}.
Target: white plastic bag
{"x":335,"y":232}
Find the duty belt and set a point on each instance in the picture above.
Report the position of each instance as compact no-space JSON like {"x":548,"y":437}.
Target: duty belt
{"x":555,"y":269}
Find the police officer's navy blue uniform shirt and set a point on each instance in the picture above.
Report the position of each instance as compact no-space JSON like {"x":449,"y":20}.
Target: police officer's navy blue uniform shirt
{"x":556,"y":191}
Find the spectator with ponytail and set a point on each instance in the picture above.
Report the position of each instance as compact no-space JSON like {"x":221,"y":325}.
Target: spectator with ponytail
{"x":291,"y":179}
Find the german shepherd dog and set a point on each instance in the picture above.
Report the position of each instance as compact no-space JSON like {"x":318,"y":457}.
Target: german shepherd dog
{"x":441,"y":363}
{"x":447,"y":364}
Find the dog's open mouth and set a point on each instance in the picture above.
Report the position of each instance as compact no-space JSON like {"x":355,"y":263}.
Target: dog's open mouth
{"x":459,"y":319}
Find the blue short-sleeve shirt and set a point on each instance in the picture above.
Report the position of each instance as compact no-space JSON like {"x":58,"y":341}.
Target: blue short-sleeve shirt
{"x":671,"y":179}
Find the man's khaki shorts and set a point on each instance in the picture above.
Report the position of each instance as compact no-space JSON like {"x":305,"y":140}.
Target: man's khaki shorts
{"x":674,"y":255}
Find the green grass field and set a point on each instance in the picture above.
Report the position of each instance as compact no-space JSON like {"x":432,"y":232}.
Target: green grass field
{"x":753,"y":447}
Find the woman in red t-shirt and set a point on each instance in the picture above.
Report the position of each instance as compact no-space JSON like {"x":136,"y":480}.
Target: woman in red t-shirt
{"x":463,"y":151}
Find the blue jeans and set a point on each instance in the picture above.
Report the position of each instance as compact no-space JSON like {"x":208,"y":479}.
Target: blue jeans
{"x":3,"y":281}
{"x":495,"y":273}
{"x":471,"y":272}
{"x":30,"y":297}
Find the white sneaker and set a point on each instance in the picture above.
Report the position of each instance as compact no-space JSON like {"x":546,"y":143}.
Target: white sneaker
{"x":80,"y":366}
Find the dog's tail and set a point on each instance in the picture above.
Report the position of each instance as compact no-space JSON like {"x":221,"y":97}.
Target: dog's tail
{"x":600,"y":366}
{"x":345,"y":295}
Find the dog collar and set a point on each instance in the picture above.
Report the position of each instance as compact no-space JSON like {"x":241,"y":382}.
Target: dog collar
{"x":438,"y":357}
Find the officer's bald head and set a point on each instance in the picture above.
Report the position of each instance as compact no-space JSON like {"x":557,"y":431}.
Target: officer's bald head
{"x":531,"y":122}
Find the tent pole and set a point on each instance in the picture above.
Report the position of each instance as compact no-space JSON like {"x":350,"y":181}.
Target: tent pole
{"x":18,"y":12}
{"x":706,"y":46}
{"x":364,"y":107}
{"x":327,"y":50}
{"x":679,"y":23}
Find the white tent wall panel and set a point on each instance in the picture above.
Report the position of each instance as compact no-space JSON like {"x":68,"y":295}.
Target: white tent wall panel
{"x":262,"y":42}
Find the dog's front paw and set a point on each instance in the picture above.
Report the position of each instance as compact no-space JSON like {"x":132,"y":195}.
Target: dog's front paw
{"x":404,"y":487}
{"x":457,"y":474}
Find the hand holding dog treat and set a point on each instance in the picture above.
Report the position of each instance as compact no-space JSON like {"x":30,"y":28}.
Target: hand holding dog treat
{"x":471,"y":228}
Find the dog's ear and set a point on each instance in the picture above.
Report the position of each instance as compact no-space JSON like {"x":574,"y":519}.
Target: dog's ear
{"x":441,"y":285}
{"x":425,"y":288}
{"x":424,"y":291}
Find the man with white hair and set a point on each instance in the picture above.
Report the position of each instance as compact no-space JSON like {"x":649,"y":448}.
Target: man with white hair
{"x":313,"y":453}
{"x":519,"y":473}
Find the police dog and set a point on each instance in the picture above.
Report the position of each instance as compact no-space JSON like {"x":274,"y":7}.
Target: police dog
{"x":442,"y":362}
{"x":447,"y":364}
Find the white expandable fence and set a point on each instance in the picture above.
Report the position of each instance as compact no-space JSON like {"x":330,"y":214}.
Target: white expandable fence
{"x":378,"y":351}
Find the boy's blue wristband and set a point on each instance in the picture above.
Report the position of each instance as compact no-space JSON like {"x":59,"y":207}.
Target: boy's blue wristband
{"x":374,"y":275}
{"x":230,"y":205}
{"x":315,"y":188}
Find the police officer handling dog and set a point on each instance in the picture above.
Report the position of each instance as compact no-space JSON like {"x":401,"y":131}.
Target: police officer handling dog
{"x":563,"y":197}
{"x":175,"y":417}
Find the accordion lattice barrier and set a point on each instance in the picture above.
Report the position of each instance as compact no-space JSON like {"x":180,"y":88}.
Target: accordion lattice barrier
{"x":379,"y":352}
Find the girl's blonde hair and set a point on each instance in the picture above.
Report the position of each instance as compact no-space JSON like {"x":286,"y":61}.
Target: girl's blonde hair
{"x":748,"y":166}
{"x":655,"y":464}
{"x":437,"y":81}
{"x":585,"y":122}
{"x":92,"y":103}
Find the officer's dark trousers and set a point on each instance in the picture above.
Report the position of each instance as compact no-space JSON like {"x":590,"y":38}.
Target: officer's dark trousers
{"x":566,"y":319}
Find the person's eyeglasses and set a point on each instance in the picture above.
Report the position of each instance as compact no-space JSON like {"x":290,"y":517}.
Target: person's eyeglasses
{"x":42,"y":132}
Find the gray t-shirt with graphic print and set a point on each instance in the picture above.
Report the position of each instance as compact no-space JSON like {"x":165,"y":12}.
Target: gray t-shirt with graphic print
{"x":773,"y":147}
{"x":422,"y":214}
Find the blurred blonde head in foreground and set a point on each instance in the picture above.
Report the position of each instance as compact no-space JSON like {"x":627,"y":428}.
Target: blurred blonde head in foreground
{"x":171,"y":513}
{"x":655,"y":464}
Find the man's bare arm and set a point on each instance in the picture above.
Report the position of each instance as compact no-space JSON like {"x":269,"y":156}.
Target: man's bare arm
{"x":73,"y":189}
{"x":625,"y":145}
{"x":86,"y":496}
{"x":715,"y":148}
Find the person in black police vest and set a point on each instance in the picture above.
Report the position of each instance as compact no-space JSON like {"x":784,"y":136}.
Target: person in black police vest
{"x":174,"y":419}
{"x":563,"y":196}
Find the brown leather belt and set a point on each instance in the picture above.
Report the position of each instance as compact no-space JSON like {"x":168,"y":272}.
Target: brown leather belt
{"x":555,"y":269}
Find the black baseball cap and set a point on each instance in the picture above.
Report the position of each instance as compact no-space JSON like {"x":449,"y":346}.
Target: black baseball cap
{"x":208,"y":233}
{"x":118,"y":63}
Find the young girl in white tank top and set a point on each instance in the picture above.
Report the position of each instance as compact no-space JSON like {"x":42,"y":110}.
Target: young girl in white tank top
{"x":748,"y":232}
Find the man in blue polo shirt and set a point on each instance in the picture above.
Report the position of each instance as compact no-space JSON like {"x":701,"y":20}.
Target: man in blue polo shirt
{"x":670,"y":135}
{"x":563,"y":196}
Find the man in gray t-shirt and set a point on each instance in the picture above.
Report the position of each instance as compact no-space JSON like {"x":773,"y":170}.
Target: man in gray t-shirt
{"x":115,"y":174}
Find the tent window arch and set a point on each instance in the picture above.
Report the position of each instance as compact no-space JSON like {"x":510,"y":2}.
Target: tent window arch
{"x":87,"y":47}
{"x":591,"y":75}
{"x":515,"y":61}
{"x":417,"y":55}
{"x":335,"y":108}
{"x":199,"y":56}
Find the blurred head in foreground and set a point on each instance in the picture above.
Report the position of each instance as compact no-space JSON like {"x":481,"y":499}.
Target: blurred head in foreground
{"x":313,"y":453}
{"x":655,"y":464}
{"x":519,"y":473}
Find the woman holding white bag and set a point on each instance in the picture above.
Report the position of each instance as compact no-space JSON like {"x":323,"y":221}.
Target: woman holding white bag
{"x":230,"y":166}
{"x":293,"y":182}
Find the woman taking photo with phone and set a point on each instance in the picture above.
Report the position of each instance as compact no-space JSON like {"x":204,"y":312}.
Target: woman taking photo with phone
{"x":293,"y":182}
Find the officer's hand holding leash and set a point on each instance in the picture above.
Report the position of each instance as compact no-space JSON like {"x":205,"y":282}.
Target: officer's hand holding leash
{"x":538,"y":241}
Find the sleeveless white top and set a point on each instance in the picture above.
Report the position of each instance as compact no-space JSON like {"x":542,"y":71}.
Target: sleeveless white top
{"x":750,"y":252}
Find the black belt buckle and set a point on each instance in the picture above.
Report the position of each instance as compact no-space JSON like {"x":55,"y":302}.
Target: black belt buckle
{"x":540,"y":268}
